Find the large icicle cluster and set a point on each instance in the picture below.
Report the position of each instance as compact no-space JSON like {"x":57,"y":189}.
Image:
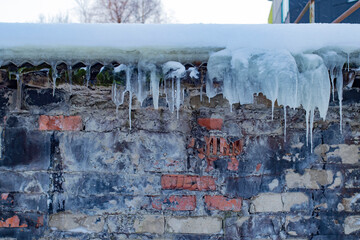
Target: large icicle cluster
{"x":290,"y":80}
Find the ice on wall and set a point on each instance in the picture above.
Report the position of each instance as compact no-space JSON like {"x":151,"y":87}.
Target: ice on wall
{"x":292,"y":81}
{"x":280,"y":61}
{"x":334,"y":62}
{"x":173,"y":72}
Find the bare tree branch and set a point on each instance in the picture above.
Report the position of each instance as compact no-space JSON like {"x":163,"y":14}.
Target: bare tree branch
{"x":84,"y":9}
{"x":120,"y":11}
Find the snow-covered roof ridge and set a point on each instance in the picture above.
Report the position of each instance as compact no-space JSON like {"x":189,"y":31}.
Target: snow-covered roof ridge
{"x":131,"y":42}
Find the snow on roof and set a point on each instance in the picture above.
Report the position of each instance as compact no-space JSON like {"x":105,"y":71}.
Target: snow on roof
{"x":37,"y":43}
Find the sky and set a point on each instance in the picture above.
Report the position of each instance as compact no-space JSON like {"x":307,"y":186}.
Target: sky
{"x":178,"y":11}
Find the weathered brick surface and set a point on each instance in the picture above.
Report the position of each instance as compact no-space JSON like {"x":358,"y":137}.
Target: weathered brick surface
{"x":60,"y":123}
{"x":23,"y":202}
{"x":64,"y":221}
{"x":211,"y":123}
{"x":223,"y":203}
{"x":174,"y":203}
{"x":280,"y":202}
{"x":209,"y":174}
{"x":187,"y":182}
{"x":25,"y":150}
{"x":196,"y":225}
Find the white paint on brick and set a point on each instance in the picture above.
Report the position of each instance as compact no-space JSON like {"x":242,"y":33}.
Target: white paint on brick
{"x":274,"y":184}
{"x":66,"y":221}
{"x":337,"y":182}
{"x":352,"y":224}
{"x":277,"y":202}
{"x":311,"y":179}
{"x":194,"y":225}
{"x":347,"y":203}
{"x":349,"y":154}
{"x":149,"y":224}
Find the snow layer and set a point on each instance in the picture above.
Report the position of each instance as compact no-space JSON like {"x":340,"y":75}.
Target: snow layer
{"x":129,"y":43}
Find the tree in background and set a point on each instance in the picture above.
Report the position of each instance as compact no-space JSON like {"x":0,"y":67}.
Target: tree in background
{"x":84,"y":10}
{"x":120,"y":11}
{"x":58,"y":18}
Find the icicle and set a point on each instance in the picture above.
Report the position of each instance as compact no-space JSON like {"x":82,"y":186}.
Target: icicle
{"x":69,"y":69}
{"x":141,"y":91}
{"x":272,"y":109}
{"x":178,"y":92}
{"x":183,"y":94}
{"x":54,"y":76}
{"x":88,"y":74}
{"x":155,"y":87}
{"x":130,"y":103}
{"x":19,"y":91}
{"x":172,"y":95}
{"x":348,"y":61}
{"x":166,"y":94}
{"x":173,"y":70}
{"x":311,"y":128}
{"x":339,"y":88}
{"x":201,"y":92}
{"x":332,"y":85}
{"x":307,"y":116}
{"x":284,"y":123}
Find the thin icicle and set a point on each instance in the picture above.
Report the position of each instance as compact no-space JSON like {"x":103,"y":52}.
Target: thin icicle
{"x":348,"y":61}
{"x":332,"y":85}
{"x":172,"y":95}
{"x":201,"y":92}
{"x":284,"y":123}
{"x":54,"y":76}
{"x":19,"y":91}
{"x":88,"y":74}
{"x":178,"y":92}
{"x":69,"y":69}
{"x":155,"y":88}
{"x":307,"y":116}
{"x":130,"y":103}
{"x":311,"y":128}
{"x":339,"y":88}
{"x":272,"y":109}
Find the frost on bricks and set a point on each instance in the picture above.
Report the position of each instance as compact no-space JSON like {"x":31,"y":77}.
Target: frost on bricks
{"x":188,"y":182}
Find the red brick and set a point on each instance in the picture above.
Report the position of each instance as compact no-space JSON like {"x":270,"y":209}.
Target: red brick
{"x":40,"y":222}
{"x":258,"y":166}
{"x":233,"y":165}
{"x":223,"y":204}
{"x":211,"y":123}
{"x":175,"y":203}
{"x":187,"y":182}
{"x":60,"y":123}
{"x":13,"y":222}
{"x":4,"y":196}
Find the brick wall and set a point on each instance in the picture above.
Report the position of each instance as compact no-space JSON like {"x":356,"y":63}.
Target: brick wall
{"x":70,"y":168}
